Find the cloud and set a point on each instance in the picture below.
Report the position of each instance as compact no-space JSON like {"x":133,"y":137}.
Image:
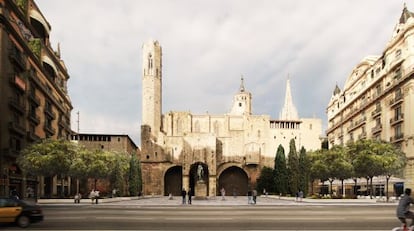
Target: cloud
{"x":207,"y":46}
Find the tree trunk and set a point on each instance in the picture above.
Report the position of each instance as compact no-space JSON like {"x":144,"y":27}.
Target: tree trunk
{"x":387,"y":180}
{"x":371,"y":187}
{"x":343,"y":190}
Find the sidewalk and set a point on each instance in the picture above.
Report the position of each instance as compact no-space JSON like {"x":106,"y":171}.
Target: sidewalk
{"x":217,"y":201}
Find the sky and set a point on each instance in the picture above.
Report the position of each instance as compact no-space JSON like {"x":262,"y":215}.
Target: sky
{"x":207,"y":47}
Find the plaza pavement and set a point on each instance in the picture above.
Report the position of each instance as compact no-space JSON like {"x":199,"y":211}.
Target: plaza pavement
{"x":218,"y":201}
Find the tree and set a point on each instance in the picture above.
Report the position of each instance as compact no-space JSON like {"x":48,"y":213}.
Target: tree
{"x":367,"y":159}
{"x":280,"y":172}
{"x":48,"y":158}
{"x":120,"y":172}
{"x":293,"y":168}
{"x":303,"y":171}
{"x":318,"y":166}
{"x":266,"y":179}
{"x":135,"y":180}
{"x":393,"y":161}
{"x":339,"y":167}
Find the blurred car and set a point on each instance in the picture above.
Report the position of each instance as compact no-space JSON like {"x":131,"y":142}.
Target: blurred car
{"x":21,"y":212}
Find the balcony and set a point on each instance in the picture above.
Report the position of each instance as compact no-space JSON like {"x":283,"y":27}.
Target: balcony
{"x":376,"y":113}
{"x":18,"y":83}
{"x":17,"y":59}
{"x":31,"y":136}
{"x":50,"y":113}
{"x":49,"y":129}
{"x":397,"y":119}
{"x":34,"y":118}
{"x":17,"y":128}
{"x":33,"y":98}
{"x":363,"y":135}
{"x":397,"y":138}
{"x":396,"y":100}
{"x":17,"y":105}
{"x":376,"y":129}
{"x":357,"y":124}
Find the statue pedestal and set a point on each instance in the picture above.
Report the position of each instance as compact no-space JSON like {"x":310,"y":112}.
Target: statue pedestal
{"x":200,"y":190}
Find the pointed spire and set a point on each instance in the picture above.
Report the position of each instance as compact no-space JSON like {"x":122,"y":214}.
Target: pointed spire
{"x":242,"y":84}
{"x":289,"y":111}
{"x":337,"y":90}
{"x":406,"y":14}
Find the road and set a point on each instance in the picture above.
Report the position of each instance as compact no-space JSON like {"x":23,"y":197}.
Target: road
{"x":279,"y":215}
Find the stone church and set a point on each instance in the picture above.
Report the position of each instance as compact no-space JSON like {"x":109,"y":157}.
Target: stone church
{"x":207,"y":153}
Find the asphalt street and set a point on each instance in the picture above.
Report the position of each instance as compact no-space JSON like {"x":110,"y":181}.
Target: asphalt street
{"x":215,"y":214}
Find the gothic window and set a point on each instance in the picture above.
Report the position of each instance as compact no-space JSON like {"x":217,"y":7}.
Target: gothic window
{"x":150,"y":61}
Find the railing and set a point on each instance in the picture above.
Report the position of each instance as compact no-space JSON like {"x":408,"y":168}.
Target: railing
{"x":397,"y":138}
{"x":17,"y":128}
{"x":376,"y":129}
{"x":397,"y":119}
{"x":17,"y":105}
{"x":376,"y":113}
{"x":396,"y":100}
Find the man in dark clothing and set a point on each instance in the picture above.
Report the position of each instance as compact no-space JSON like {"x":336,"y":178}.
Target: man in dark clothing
{"x":403,"y":209}
{"x":189,"y":193}
{"x":183,"y":194}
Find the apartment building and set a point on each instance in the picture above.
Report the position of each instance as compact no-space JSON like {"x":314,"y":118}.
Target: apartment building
{"x":377,"y":100}
{"x":33,"y":94}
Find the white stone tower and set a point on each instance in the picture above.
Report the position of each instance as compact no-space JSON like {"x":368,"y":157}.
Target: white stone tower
{"x":152,"y":86}
{"x":289,"y":111}
{"x":242,"y":101}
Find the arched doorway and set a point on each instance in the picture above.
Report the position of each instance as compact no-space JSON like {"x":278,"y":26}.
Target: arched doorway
{"x":194,"y":175}
{"x":234,"y":180}
{"x":173,"y":181}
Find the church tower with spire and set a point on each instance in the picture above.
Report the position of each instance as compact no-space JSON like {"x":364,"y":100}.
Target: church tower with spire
{"x":242,"y":101}
{"x":289,"y":111}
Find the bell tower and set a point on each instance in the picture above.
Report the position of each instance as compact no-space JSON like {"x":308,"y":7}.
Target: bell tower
{"x":242,"y":101}
{"x":152,"y":86}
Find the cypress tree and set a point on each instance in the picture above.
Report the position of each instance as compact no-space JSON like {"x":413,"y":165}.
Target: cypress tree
{"x":280,"y":172}
{"x":303,"y":171}
{"x":293,"y":168}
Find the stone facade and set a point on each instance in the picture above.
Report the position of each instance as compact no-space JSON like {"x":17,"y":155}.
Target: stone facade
{"x":119,"y":143}
{"x":378,"y":97}
{"x":232,"y":148}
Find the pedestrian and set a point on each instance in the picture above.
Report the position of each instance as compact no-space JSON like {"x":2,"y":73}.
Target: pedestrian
{"x":254,"y":196}
{"x":297,"y":197}
{"x":96,"y":196}
{"x":249,"y":197}
{"x":189,"y":193}
{"x":403,"y":209}
{"x":77,"y":198}
{"x":183,"y":194}
{"x":92,"y":195}
{"x":300,"y":195}
{"x":223,"y":193}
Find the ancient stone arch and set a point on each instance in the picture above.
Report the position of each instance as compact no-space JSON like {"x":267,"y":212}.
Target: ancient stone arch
{"x":234,"y":180}
{"x":173,"y":181}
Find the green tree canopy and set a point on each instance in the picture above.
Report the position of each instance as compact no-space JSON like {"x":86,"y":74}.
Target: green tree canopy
{"x":293,"y":168}
{"x":266,"y":179}
{"x":280,"y":172}
{"x":48,"y":157}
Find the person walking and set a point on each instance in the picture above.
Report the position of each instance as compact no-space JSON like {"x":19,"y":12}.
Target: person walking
{"x":223,"y":194}
{"x":189,"y":193}
{"x":254,"y":196}
{"x":183,"y":194}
